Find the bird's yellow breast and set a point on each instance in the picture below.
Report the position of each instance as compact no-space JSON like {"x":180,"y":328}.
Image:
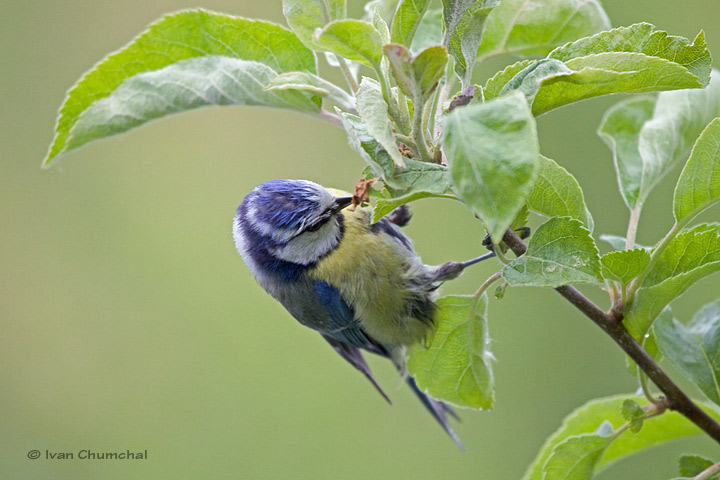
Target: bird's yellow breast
{"x":371,"y":272}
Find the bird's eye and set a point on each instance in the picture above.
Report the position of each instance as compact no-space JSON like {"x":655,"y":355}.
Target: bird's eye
{"x":314,"y":227}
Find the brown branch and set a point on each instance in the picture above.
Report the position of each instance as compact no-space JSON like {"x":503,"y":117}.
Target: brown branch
{"x":612,"y":324}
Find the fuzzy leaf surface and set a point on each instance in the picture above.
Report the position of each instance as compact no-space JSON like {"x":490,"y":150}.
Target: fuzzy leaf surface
{"x":353,"y":39}
{"x":649,"y":135}
{"x":522,"y":27}
{"x":556,"y":193}
{"x":694,"y":349}
{"x":430,"y":31}
{"x":492,"y":151}
{"x":374,"y":114}
{"x":308,"y":82}
{"x":589,"y":417}
{"x":624,"y":265}
{"x":699,"y":185}
{"x":185,"y":85}
{"x":576,"y":457}
{"x":561,"y":251}
{"x":456,"y":367}
{"x":464,"y":22}
{"x":690,"y":256}
{"x":305,"y":16}
{"x":416,"y":177}
{"x":406,"y":21}
{"x":174,"y":38}
{"x":633,"y":59}
{"x":416,"y":76}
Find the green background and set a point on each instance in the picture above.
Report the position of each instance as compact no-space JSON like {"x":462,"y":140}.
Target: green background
{"x":128,"y":321}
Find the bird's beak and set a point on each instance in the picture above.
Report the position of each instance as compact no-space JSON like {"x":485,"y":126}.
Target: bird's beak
{"x":340,"y":203}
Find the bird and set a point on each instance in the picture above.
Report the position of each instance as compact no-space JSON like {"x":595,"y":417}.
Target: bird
{"x":358,"y":283}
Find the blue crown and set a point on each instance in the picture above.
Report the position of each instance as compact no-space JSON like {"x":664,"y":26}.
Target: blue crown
{"x":286,"y":204}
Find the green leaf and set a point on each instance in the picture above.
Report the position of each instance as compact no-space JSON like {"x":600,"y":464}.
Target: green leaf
{"x":308,"y":82}
{"x":645,"y":39}
{"x":492,"y":152}
{"x":464,"y":22}
{"x":648,"y":137}
{"x":497,"y":82}
{"x":575,"y":457}
{"x":634,"y":414}
{"x":527,"y":28}
{"x":352,"y":39}
{"x":631,"y":59}
{"x":693,"y":465}
{"x":374,"y":114}
{"x":620,"y":129}
{"x":623,"y":266}
{"x":429,"y":32}
{"x":561,"y":251}
{"x":186,"y":85}
{"x":690,"y":256}
{"x":416,"y":76}
{"x":406,"y":21}
{"x":556,"y":193}
{"x":456,"y":367}
{"x":174,"y":38}
{"x":699,"y":185}
{"x":305,"y":16}
{"x":369,"y":149}
{"x":414,"y":178}
{"x":386,"y":9}
{"x":383,"y":206}
{"x":380,"y":25}
{"x":694,"y":349}
{"x":589,"y":417}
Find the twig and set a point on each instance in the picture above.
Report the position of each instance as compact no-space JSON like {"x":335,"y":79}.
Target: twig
{"x":708,"y":473}
{"x":612,"y":324}
{"x":349,"y":78}
{"x":632,"y":227}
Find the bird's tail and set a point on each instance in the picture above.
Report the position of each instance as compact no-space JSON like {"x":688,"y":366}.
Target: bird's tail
{"x":438,"y":409}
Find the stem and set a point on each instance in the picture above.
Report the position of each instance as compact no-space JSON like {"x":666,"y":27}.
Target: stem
{"x":635,"y":284}
{"x":409,"y":141}
{"x":611,"y":323}
{"x":633,"y":226}
{"x":403,"y":124}
{"x":712,"y":470}
{"x":419,"y":131}
{"x":501,"y":256}
{"x":443,"y":95}
{"x":646,"y":389}
{"x":430,"y":110}
{"x":492,"y":279}
{"x":352,"y":83}
{"x":403,"y":107}
{"x":330,"y":118}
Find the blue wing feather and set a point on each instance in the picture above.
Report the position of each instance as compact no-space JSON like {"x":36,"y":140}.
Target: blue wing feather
{"x":347,"y":338}
{"x":344,"y":327}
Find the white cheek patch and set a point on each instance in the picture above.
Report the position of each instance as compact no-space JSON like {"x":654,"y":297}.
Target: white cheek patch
{"x":308,"y":247}
{"x":238,"y":235}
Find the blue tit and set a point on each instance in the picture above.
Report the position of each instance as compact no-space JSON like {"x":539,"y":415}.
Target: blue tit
{"x":359,"y":284}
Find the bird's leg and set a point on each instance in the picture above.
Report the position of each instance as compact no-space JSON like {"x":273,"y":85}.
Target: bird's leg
{"x":452,"y":270}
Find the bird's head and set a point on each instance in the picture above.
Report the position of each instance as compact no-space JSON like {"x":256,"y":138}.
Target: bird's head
{"x":292,"y":221}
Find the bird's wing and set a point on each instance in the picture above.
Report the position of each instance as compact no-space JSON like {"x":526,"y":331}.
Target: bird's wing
{"x":345,"y":334}
{"x":347,"y":338}
{"x":354,"y":356}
